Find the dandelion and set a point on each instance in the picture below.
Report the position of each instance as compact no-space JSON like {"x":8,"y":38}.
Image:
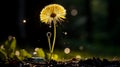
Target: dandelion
{"x":52,"y":13}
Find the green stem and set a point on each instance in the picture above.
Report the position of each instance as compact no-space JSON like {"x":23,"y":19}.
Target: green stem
{"x":49,"y":42}
{"x":49,"y":36}
{"x":53,"y":44}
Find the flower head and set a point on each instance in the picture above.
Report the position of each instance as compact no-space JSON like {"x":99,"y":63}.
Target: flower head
{"x":52,"y":12}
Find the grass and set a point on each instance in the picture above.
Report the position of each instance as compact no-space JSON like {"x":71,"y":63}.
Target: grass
{"x":103,"y":52}
{"x":89,"y":51}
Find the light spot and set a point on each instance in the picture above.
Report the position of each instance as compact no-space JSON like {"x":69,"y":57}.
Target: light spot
{"x":74,"y":12}
{"x":24,"y":21}
{"x":67,"y":50}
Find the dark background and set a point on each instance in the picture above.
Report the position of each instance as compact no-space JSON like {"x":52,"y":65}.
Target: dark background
{"x":96,"y":23}
{"x":12,"y":15}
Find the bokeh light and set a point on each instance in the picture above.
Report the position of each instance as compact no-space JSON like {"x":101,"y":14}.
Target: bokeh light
{"x":24,"y":21}
{"x":78,"y":57}
{"x":34,"y":53}
{"x":81,"y":48}
{"x":36,"y":49}
{"x":65,"y":33}
{"x":17,"y":53}
{"x":74,"y":12}
{"x":67,"y":50}
{"x":10,"y":37}
{"x":2,"y":47}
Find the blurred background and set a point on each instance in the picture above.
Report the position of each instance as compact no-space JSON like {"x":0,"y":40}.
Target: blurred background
{"x":91,"y":26}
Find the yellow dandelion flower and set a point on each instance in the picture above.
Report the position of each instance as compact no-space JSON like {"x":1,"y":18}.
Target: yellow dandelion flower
{"x":52,"y":12}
